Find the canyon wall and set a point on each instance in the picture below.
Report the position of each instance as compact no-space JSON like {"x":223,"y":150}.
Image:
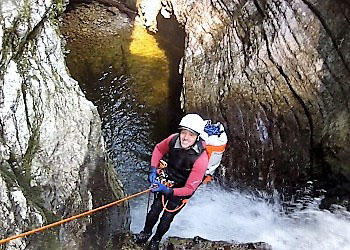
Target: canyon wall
{"x":277,"y":73}
{"x":53,"y":160}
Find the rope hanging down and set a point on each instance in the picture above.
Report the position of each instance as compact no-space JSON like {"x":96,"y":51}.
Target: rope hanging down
{"x":73,"y":217}
{"x":184,"y":202}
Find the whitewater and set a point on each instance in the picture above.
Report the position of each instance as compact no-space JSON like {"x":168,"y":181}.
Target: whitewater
{"x":214,"y":213}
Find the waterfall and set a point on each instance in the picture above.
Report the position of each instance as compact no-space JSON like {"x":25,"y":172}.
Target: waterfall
{"x":217,"y":214}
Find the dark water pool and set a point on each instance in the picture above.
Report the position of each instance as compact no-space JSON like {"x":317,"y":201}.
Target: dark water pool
{"x":133,"y":80}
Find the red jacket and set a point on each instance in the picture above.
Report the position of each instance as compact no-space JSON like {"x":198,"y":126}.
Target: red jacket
{"x":197,"y":173}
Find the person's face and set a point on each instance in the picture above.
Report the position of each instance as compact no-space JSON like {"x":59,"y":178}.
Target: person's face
{"x":187,"y":138}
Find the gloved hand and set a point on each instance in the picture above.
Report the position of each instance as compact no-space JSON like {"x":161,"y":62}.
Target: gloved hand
{"x":152,"y":175}
{"x":162,"y":189}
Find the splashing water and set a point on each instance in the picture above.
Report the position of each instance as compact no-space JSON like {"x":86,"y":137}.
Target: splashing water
{"x":217,"y":214}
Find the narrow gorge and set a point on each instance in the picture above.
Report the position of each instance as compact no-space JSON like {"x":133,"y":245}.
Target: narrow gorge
{"x":88,"y":87}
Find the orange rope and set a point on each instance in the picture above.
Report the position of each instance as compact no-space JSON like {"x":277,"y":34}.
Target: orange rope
{"x":184,"y":201}
{"x":72,"y":218}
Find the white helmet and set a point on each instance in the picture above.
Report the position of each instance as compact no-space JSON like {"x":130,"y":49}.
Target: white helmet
{"x":193,"y":122}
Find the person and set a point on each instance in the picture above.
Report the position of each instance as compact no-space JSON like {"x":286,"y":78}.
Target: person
{"x":187,"y":162}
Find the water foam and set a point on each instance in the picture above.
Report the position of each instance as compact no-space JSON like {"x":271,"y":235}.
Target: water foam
{"x":216,"y":214}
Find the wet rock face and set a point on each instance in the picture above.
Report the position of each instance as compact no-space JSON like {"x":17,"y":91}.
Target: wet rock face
{"x":127,"y":241}
{"x":176,"y":243}
{"x":277,"y":72}
{"x":51,"y":150}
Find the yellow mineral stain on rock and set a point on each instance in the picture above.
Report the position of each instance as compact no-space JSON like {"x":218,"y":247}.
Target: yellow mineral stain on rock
{"x":148,"y":66}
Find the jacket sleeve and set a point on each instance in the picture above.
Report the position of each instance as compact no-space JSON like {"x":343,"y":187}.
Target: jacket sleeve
{"x":195,"y":178}
{"x":160,"y":150}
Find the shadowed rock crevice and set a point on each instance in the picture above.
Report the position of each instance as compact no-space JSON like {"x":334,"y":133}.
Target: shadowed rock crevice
{"x":329,"y":30}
